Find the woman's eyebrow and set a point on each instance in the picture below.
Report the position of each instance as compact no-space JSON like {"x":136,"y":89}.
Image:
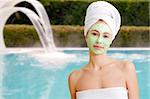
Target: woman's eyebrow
{"x":106,"y":33}
{"x":95,"y":31}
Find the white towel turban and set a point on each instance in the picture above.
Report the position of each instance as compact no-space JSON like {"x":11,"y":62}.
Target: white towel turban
{"x":105,"y":11}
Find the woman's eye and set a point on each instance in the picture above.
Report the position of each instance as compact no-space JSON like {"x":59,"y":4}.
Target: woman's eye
{"x":94,"y":34}
{"x":105,"y":36}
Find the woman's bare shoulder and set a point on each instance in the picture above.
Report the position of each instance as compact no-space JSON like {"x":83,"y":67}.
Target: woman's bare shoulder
{"x":75,"y":75}
{"x":127,"y":66}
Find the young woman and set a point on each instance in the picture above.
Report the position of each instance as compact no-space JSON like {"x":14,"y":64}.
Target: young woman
{"x":103,"y":77}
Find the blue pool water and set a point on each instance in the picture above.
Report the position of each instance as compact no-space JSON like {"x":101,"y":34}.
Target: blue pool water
{"x":31,"y":76}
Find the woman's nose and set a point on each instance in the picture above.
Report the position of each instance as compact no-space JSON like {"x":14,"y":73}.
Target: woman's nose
{"x":99,"y":40}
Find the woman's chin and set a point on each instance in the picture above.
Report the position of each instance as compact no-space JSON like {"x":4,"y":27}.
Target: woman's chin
{"x":99,"y":52}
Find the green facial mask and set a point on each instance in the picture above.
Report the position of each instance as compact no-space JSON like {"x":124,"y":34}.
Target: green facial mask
{"x":99,"y":38}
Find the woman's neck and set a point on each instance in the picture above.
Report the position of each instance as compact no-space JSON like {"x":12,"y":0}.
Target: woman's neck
{"x":98,"y":61}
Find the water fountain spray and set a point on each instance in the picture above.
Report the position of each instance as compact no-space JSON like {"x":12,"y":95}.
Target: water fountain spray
{"x":40,"y":21}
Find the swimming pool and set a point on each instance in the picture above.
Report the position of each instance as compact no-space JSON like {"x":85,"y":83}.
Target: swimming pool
{"x":39,"y":76}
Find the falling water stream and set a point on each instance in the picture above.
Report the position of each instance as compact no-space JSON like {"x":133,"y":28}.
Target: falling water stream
{"x":40,"y":21}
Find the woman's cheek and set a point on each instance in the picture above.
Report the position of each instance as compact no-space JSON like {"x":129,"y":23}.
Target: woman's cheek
{"x":107,"y":44}
{"x":92,"y":40}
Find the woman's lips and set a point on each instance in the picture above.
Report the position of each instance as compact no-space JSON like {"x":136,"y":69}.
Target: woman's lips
{"x":98,"y":47}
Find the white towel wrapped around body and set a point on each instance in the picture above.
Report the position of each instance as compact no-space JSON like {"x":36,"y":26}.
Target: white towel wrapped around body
{"x":105,"y":11}
{"x":104,"y":93}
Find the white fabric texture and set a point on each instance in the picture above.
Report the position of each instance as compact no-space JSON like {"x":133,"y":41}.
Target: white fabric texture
{"x":105,"y":11}
{"x":104,"y":93}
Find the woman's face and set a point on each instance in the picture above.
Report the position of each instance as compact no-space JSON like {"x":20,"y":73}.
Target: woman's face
{"x":99,"y":38}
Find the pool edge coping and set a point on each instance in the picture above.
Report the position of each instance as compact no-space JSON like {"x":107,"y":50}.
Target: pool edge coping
{"x":35,"y":50}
